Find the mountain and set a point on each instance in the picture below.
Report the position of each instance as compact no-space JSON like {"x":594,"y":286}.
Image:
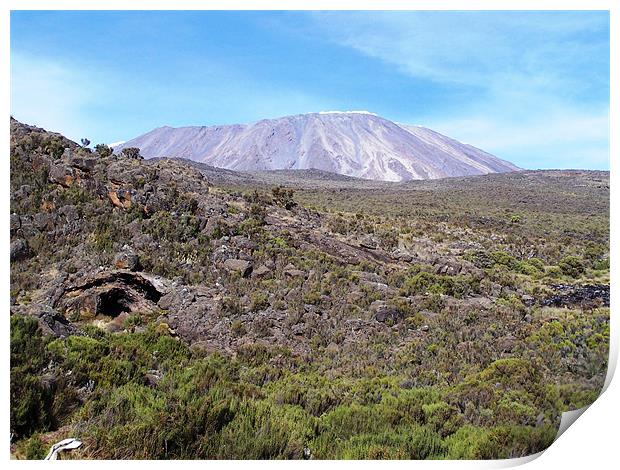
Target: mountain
{"x":355,"y":143}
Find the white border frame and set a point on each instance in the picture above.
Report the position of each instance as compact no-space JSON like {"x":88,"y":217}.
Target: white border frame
{"x":592,"y":442}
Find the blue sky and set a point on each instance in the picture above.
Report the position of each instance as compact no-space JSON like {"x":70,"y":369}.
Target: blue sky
{"x":530,"y":87}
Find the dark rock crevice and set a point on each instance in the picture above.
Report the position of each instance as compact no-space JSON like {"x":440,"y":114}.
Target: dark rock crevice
{"x":586,"y":296}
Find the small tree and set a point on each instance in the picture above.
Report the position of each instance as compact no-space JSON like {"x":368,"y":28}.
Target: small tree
{"x":572,"y":266}
{"x":85,"y":142}
{"x":103,"y":150}
{"x":131,"y":152}
{"x":284,"y":197}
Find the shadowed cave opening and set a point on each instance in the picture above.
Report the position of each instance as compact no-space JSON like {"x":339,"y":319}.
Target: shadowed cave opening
{"x":114,"y":302}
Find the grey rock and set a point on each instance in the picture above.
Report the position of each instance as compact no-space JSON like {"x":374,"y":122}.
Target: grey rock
{"x":83,"y":163}
{"x":240,"y":266}
{"x":127,"y":259}
{"x":387,"y":314}
{"x":15,"y":223}
{"x":291,"y":271}
{"x":54,"y":323}
{"x":61,"y":174}
{"x":368,"y":242}
{"x":262,"y":272}
{"x":20,"y":250}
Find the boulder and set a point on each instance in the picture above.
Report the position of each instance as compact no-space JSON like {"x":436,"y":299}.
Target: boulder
{"x":506,"y":344}
{"x":83,"y":163}
{"x":127,"y":259}
{"x":109,"y":293}
{"x":70,"y":212}
{"x":528,"y":300}
{"x":120,"y":198}
{"x":240,"y":266}
{"x":244,"y":243}
{"x":402,"y":255}
{"x":20,"y":250}
{"x":291,"y":271}
{"x":262,"y":272}
{"x":447,"y":266}
{"x":176,"y":299}
{"x":368,"y":242}
{"x":15,"y":223}
{"x":153,"y":377}
{"x":62,"y":175}
{"x":369,"y":276}
{"x":43,"y":221}
{"x":53,"y":323}
{"x":385,"y":314}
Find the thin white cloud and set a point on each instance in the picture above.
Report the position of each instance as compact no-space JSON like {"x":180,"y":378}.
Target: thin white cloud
{"x":530,"y":77}
{"x":105,"y":105}
{"x":564,"y":138}
{"x":473,"y":48}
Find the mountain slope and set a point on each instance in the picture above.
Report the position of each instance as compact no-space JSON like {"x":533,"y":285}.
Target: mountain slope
{"x":358,"y":144}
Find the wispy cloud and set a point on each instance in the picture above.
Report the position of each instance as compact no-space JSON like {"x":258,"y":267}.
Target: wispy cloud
{"x":52,"y":94}
{"x":474,"y":48}
{"x":536,"y":85}
{"x":105,"y":104}
{"x":560,"y":138}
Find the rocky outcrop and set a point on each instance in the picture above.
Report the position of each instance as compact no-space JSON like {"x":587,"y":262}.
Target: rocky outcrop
{"x":127,"y":259}
{"x":585,"y":296}
{"x":110,"y":293}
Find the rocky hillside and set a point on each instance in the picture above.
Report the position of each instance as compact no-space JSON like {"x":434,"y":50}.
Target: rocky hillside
{"x":164,"y":309}
{"x":356,"y":144}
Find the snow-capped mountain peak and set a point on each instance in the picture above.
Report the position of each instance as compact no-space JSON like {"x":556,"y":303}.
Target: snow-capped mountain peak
{"x":353,"y":143}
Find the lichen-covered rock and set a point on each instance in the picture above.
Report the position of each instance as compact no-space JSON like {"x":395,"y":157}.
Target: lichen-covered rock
{"x":262,"y":272}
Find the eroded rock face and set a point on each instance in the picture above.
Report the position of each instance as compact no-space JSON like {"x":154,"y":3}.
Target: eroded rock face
{"x":110,"y":294}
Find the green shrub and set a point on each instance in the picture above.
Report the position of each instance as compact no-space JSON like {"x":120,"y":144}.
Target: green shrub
{"x":425,"y":282}
{"x":506,"y":442}
{"x":504,"y":259}
{"x":572,"y":266}
{"x":103,"y":150}
{"x":260,"y":301}
{"x":553,"y":272}
{"x":35,"y":449}
{"x":31,"y":400}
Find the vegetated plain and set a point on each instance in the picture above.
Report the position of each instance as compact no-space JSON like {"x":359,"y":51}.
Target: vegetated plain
{"x":166,"y":309}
